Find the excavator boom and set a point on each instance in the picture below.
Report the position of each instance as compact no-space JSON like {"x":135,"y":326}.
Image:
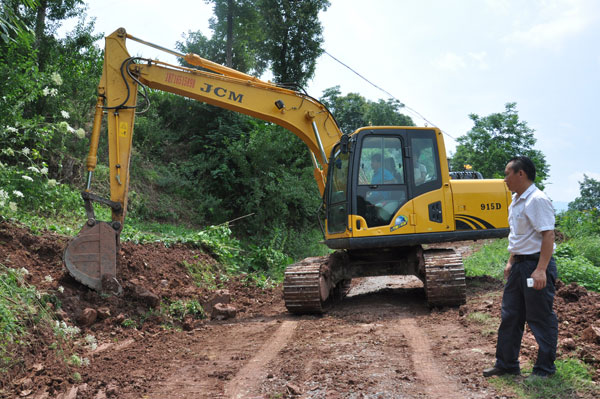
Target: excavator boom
{"x":91,"y":256}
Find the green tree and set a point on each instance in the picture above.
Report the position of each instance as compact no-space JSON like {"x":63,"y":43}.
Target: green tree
{"x":11,"y":22}
{"x":493,"y":140}
{"x":353,"y":111}
{"x":236,"y":40}
{"x":293,"y":36}
{"x":251,"y":35}
{"x":589,"y":195}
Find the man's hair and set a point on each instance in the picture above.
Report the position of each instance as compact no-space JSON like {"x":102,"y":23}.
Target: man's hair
{"x":525,"y":164}
{"x":376,"y":157}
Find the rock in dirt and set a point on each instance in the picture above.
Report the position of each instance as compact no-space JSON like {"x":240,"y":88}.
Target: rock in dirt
{"x":591,"y":334}
{"x":222,"y":311}
{"x":37,"y":368}
{"x":293,"y":389}
{"x":572,"y":292}
{"x":103,"y":313}
{"x":87,"y":317}
{"x":112,"y":390}
{"x":62,"y":315}
{"x":219,"y":296}
{"x":568,"y":344}
{"x":138,"y":292}
{"x":26,"y":384}
{"x":120,"y":318}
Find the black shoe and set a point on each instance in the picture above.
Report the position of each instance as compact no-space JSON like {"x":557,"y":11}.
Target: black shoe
{"x":492,"y":371}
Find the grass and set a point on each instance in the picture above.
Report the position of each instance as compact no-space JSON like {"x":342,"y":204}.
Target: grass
{"x":24,"y":312}
{"x":490,"y":260}
{"x":488,"y":323}
{"x":573,"y":379}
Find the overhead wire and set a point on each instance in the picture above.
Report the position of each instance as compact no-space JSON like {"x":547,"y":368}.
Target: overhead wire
{"x":389,"y":94}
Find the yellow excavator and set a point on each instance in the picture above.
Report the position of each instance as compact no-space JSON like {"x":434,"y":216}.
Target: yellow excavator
{"x":387,"y":190}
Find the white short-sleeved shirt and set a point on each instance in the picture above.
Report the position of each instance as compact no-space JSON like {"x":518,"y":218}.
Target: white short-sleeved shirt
{"x":528,"y":216}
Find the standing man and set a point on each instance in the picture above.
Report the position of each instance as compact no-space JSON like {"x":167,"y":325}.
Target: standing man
{"x":531,"y":245}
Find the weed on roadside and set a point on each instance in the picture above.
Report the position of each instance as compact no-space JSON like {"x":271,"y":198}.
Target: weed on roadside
{"x":487,"y":323}
{"x":572,"y":380}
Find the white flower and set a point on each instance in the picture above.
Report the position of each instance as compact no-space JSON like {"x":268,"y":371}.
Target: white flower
{"x":56,"y":78}
{"x":33,"y":169}
{"x":90,"y":339}
{"x":65,"y":114}
{"x":27,"y":178}
{"x":61,"y":289}
{"x":48,"y":279}
{"x":3,"y":195}
{"x":53,"y":92}
{"x":25,"y":151}
{"x":17,"y":193}
{"x":12,"y":206}
{"x":24,"y":271}
{"x":11,"y":129}
{"x":51,"y":183}
{"x":80,"y":133}
{"x":46,"y":91}
{"x":44,"y":171}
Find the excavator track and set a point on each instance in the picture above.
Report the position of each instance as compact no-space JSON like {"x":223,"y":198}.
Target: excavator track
{"x":306,"y":285}
{"x":444,"y":278}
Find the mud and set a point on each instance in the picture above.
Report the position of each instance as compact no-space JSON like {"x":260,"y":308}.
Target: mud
{"x":380,"y":342}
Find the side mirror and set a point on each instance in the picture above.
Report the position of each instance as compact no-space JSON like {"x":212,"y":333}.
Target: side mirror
{"x":344,"y":140}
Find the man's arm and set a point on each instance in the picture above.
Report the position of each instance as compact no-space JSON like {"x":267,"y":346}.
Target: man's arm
{"x":539,"y":274}
{"x":508,"y":266}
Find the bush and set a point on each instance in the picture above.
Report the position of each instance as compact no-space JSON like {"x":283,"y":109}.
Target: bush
{"x":588,"y":247}
{"x":575,"y":223}
{"x":578,"y":269}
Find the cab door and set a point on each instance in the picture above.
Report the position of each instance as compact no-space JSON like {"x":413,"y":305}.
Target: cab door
{"x":337,"y":192}
{"x":427,"y":192}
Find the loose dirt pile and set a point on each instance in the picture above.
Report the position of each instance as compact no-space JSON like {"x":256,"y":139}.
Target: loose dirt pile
{"x":385,"y":344}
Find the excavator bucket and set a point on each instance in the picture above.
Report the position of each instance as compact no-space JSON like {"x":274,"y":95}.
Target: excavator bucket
{"x":91,"y":257}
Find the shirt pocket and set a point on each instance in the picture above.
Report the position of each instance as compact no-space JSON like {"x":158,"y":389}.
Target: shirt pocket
{"x":521,"y":224}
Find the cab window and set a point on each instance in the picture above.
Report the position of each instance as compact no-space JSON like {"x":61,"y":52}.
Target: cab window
{"x":381,"y":179}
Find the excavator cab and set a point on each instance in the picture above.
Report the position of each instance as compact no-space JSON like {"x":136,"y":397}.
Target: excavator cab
{"x":374,"y":188}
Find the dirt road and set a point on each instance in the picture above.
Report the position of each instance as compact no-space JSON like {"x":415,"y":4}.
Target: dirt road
{"x":381,"y":341}
{"x":377,"y":343}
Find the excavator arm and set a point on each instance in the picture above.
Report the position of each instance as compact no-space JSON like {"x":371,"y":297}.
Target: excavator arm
{"x":91,"y":256}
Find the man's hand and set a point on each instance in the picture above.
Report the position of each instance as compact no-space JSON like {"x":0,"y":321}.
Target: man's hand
{"x":507,"y":269}
{"x":539,"y":279}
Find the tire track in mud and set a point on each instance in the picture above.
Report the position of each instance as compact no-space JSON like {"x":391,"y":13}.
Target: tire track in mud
{"x":435,"y":383}
{"x":247,"y":380}
{"x":216,"y":358}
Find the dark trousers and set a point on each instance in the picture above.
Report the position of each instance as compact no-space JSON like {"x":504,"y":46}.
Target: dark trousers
{"x":522,"y":304}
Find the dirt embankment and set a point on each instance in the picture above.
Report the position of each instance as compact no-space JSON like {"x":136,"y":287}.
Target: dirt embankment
{"x":380,"y":342}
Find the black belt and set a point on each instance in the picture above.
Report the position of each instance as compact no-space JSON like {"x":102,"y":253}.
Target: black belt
{"x":523,"y":258}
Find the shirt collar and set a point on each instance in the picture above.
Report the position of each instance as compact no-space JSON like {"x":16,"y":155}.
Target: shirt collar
{"x":527,"y":192}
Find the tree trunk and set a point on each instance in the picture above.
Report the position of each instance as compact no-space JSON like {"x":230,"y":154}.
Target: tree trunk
{"x":40,"y":23}
{"x":229,"y":50}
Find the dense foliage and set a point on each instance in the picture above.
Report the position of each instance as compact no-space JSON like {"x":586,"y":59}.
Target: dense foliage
{"x":494,"y":140}
{"x":353,"y":111}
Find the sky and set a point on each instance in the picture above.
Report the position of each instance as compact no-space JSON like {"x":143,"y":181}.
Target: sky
{"x":443,"y":59}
